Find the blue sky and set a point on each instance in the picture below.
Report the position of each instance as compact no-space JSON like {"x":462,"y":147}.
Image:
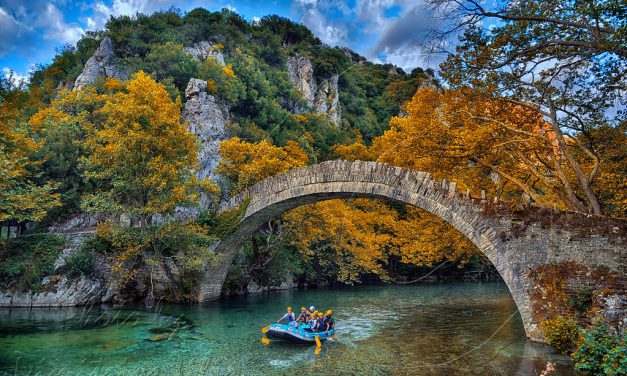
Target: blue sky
{"x":382,"y":30}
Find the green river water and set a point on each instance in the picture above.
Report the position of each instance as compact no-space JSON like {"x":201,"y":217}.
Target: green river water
{"x":427,"y":329}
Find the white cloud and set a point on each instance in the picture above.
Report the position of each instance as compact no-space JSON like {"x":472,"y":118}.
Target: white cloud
{"x":312,"y":16}
{"x":52,"y":21}
{"x":11,"y":32}
{"x":18,"y":79}
{"x":230,"y":7}
{"x":102,"y":12}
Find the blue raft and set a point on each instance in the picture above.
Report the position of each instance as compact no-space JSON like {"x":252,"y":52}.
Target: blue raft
{"x":298,"y":334}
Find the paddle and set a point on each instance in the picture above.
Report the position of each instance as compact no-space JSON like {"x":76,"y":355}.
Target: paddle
{"x":318,"y":345}
{"x":265,"y":329}
{"x":265,"y":341}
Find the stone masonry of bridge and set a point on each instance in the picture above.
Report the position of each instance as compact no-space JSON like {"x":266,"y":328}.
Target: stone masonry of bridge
{"x":595,"y":262}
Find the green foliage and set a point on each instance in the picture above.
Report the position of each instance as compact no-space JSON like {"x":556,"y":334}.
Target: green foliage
{"x":25,"y":260}
{"x":225,"y":223}
{"x":561,"y":333}
{"x":80,"y":262}
{"x":601,"y":353}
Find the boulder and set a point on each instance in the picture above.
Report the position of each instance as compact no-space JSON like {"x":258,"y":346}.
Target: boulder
{"x":100,"y":65}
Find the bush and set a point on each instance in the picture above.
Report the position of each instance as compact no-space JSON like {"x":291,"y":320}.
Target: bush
{"x":601,"y":353}
{"x":78,"y":263}
{"x":27,"y":259}
{"x":561,"y":333}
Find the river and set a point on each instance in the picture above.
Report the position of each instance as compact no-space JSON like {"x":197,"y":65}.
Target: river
{"x":426,"y":329}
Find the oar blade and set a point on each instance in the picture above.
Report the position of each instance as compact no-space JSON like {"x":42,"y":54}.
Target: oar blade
{"x":265,"y":341}
{"x":318,"y":345}
{"x":265,"y":329}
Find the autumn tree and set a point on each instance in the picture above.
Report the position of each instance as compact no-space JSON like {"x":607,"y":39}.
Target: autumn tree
{"x":361,"y":236}
{"x":23,"y":197}
{"x":141,"y":155}
{"x":245,"y":163}
{"x":563,"y":59}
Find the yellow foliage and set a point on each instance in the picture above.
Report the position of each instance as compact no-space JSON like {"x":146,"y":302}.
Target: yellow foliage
{"x":142,"y":151}
{"x":113,"y":84}
{"x":228,"y":70}
{"x":212,"y":86}
{"x":246,"y":163}
{"x":365,"y":234}
{"x":21,"y":198}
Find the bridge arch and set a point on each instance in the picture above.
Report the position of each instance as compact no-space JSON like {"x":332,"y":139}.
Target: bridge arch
{"x":273,"y":196}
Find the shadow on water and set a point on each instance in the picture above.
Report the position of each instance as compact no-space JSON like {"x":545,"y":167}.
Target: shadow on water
{"x":432,"y":329}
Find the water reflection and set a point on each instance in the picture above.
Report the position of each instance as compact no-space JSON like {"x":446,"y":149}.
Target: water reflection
{"x":447,"y":329}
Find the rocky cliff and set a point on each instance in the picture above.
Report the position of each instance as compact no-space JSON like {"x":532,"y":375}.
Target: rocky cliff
{"x":207,"y":119}
{"x":102,"y":64}
{"x":203,"y":50}
{"x":320,"y":97}
{"x":60,"y":291}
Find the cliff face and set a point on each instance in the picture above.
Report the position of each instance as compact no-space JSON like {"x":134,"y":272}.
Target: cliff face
{"x":100,"y":65}
{"x":207,"y":119}
{"x":320,"y":97}
{"x":203,"y":50}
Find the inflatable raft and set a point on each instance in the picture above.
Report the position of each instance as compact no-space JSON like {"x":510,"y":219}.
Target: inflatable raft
{"x":297,"y":334}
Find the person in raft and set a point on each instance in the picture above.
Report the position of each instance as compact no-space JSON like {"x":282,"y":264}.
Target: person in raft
{"x":304,"y":315}
{"x":288,"y":317}
{"x":329,"y":322}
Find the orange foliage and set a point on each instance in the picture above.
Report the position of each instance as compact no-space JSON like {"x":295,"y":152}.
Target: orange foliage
{"x":246,"y":163}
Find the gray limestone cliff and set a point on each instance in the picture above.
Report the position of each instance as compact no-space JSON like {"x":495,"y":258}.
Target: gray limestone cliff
{"x":207,"y":119}
{"x":320,"y":97}
{"x":203,"y":50}
{"x":101,"y":65}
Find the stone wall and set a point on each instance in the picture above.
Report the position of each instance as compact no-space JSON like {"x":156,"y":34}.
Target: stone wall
{"x":516,"y":255}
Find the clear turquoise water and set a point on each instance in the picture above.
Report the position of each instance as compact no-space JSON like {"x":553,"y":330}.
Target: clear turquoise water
{"x":433,"y":329}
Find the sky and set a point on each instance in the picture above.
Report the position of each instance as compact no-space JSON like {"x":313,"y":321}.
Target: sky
{"x":384,"y":31}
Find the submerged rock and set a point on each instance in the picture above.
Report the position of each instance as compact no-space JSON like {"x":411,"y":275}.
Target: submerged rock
{"x":100,"y":65}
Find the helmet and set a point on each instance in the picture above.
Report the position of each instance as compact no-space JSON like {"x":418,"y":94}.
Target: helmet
{"x":320,"y":314}
{"x":289,"y":308}
{"x":303,"y":308}
{"x":315,"y":313}
{"x":329,"y":312}
{"x":312,"y":308}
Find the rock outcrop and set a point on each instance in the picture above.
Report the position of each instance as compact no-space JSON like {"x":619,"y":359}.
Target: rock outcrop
{"x":203,"y":50}
{"x":101,"y":64}
{"x":60,"y":291}
{"x":207,"y":119}
{"x":321,"y":97}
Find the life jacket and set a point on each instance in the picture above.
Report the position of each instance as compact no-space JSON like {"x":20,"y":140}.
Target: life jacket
{"x":329,"y":320}
{"x":289,"y":317}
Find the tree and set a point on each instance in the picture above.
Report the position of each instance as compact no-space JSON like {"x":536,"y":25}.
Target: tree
{"x":141,"y":156}
{"x":22,"y":197}
{"x":563,"y":59}
{"x":351,"y":238}
{"x":61,"y":126}
{"x":245,"y":163}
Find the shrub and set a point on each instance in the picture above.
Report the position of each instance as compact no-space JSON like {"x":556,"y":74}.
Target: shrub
{"x":601,"y":353}
{"x":27,"y":259}
{"x":78,"y":263}
{"x":561,"y":333}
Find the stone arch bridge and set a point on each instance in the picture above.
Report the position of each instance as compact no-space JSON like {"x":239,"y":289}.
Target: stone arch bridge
{"x":522,"y":254}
